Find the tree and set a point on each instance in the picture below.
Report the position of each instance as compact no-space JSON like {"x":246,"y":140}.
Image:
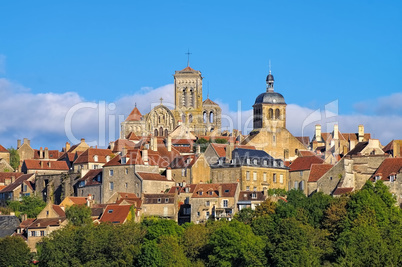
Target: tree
{"x":203,"y":143}
{"x":14,"y":252}
{"x":266,"y":208}
{"x":245,"y":215}
{"x":30,"y":205}
{"x":172,"y":253}
{"x":234,"y":244}
{"x":157,"y":227}
{"x":79,"y":215}
{"x":14,"y":158}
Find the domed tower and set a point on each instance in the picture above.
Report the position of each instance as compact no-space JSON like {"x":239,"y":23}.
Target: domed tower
{"x":269,"y":108}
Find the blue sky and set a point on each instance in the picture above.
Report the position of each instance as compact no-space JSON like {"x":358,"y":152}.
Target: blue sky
{"x":321,"y":51}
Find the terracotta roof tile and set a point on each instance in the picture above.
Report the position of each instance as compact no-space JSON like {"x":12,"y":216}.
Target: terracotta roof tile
{"x":133,"y":137}
{"x":159,"y":198}
{"x":90,"y":177}
{"x":317,"y":171}
{"x":135,"y":115}
{"x":8,"y":175}
{"x":304,"y":163}
{"x":181,"y":190}
{"x":305,"y":140}
{"x":20,"y":180}
{"x":390,"y":166}
{"x":45,"y":222}
{"x":35,"y":164}
{"x":151,"y":176}
{"x":212,"y":190}
{"x":220,"y":149}
{"x":78,"y":200}
{"x":26,"y":223}
{"x":188,"y":68}
{"x":53,"y":154}
{"x":306,"y":153}
{"x":129,"y":198}
{"x":2,"y":149}
{"x":59,"y":210}
{"x":116,"y":214}
{"x":90,"y":153}
{"x":343,"y":190}
{"x":248,"y":196}
{"x":209,"y":102}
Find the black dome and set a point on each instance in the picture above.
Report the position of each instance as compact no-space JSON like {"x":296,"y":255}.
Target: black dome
{"x":270,"y":77}
{"x":270,"y":98}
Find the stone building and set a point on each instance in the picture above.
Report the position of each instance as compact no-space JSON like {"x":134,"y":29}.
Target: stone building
{"x":160,"y":205}
{"x":390,"y":172}
{"x":4,"y":154}
{"x":393,"y":148}
{"x":254,"y":170}
{"x":91,"y":159}
{"x":90,"y":184}
{"x":299,"y":172}
{"x":22,"y":186}
{"x":269,"y":123}
{"x":201,"y":117}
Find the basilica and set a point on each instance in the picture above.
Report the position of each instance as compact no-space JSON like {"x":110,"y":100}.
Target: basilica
{"x":200,"y":117}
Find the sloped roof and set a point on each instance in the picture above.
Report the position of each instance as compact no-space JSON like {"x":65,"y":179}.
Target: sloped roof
{"x":78,"y":200}
{"x":209,"y":102}
{"x":26,"y":223}
{"x":305,"y":140}
{"x":53,"y":154}
{"x":220,"y":149}
{"x":188,"y":68}
{"x":59,"y":210}
{"x":212,"y":190}
{"x":8,"y":224}
{"x":35,"y":164}
{"x":152,"y":176}
{"x":248,"y":196}
{"x":45,"y":222}
{"x":357,"y":149}
{"x":182,"y":190}
{"x":135,"y":115}
{"x":69,"y":155}
{"x":304,"y":163}
{"x":342,"y":190}
{"x":129,"y":198}
{"x":116,"y":214}
{"x":90,"y":176}
{"x":2,"y":149}
{"x":317,"y":171}
{"x":17,"y":182}
{"x":90,"y":153}
{"x":388,"y":147}
{"x":153,"y":198}
{"x":390,"y":166}
{"x":8,"y":175}
{"x":186,"y":161}
{"x":306,"y":153}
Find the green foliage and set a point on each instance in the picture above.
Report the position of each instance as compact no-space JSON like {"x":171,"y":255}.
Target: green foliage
{"x":277,"y":192}
{"x":79,"y":215}
{"x":14,"y":252}
{"x":220,"y":141}
{"x":204,"y":143}
{"x":30,"y":205}
{"x":245,"y":216}
{"x":157,"y":227}
{"x":14,"y":158}
{"x":194,"y":241}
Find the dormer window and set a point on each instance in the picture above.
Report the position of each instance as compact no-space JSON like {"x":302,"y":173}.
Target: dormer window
{"x":248,"y":161}
{"x":255,"y":161}
{"x":109,"y":211}
{"x":107,"y":158}
{"x":96,"y":158}
{"x":200,"y":193}
{"x":159,"y":200}
{"x":186,"y":189}
{"x":377,"y":177}
{"x":265,"y":162}
{"x":210,"y":193}
{"x":254,"y":195}
{"x":392,"y":178}
{"x":166,"y":200}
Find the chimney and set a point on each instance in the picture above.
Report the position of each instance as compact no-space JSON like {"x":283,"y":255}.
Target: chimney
{"x":361,"y":133}
{"x":41,"y":164}
{"x":82,"y":140}
{"x":12,"y":179}
{"x":26,"y":141}
{"x":336,"y":132}
{"x":352,"y":144}
{"x":198,"y":149}
{"x":318,"y":133}
{"x":89,"y":200}
{"x":154,"y":143}
{"x":46,"y":153}
{"x":18,"y":143}
{"x":145,"y":157}
{"x":229,"y":150}
{"x":123,"y":151}
{"x":67,"y":146}
{"x":49,"y":164}
{"x":169,"y":143}
{"x":41,"y":153}
{"x":169,"y":173}
{"x":220,"y":190}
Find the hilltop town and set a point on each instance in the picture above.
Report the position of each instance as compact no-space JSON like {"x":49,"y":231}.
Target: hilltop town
{"x":178,"y":164}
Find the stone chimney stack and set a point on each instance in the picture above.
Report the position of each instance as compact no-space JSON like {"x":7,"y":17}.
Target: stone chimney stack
{"x":220,"y":190}
{"x":169,"y":173}
{"x":336,"y":132}
{"x":169,"y":143}
{"x":18,"y":143}
{"x":361,"y":133}
{"x":46,"y":153}
{"x":41,"y":153}
{"x":26,"y":141}
{"x":318,"y":133}
{"x":82,"y":140}
{"x":154,"y":143}
{"x":352,"y":144}
{"x":111,"y":145}
{"x":229,"y":150}
{"x":145,"y":157}
{"x":198,"y":149}
{"x":41,"y":164}
{"x":123,"y":151}
{"x":67,"y":146}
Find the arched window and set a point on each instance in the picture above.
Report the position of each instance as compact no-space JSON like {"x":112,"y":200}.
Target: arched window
{"x":166,"y":132}
{"x":270,"y":113}
{"x":190,"y":118}
{"x":211,"y":117}
{"x":160,"y":131}
{"x":277,"y":114}
{"x":204,"y":115}
{"x":191,"y":98}
{"x":183,"y":118}
{"x":156,"y":132}
{"x":184,"y":97}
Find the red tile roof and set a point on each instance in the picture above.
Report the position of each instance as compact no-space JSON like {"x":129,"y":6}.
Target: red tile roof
{"x":8,"y":175}
{"x":388,"y":147}
{"x":69,"y":155}
{"x":59,"y":210}
{"x":17,"y":182}
{"x":304,"y":163}
{"x":305,"y":140}
{"x":2,"y":149}
{"x":181,"y":162}
{"x":90,"y":153}
{"x":209,"y":102}
{"x":188,"y":68}
{"x":151,"y":176}
{"x":129,"y":198}
{"x":220,"y":149}
{"x":34,"y":164}
{"x":212,"y":190}
{"x":78,"y":200}
{"x":390,"y":166}
{"x":115,"y":213}
{"x":26,"y":223}
{"x":248,"y":196}
{"x":90,"y":176}
{"x":45,"y":222}
{"x":317,"y":171}
{"x":159,"y":198}
{"x":119,"y":144}
{"x":135,"y":115}
{"x":133,"y":137}
{"x":341,"y":191}
{"x":182,"y":190}
{"x":53,"y":154}
{"x":306,"y":153}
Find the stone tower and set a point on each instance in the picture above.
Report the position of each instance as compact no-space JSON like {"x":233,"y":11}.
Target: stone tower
{"x":188,"y":98}
{"x":269,"y":109}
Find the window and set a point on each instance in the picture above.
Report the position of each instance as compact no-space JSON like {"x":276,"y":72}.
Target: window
{"x":111,"y":185}
{"x":110,"y":172}
{"x":200,"y":193}
{"x":207,"y":214}
{"x":255,"y":176}
{"x":159,"y":200}
{"x":198,"y":213}
{"x":225,"y":203}
{"x":247,"y":175}
{"x":187,"y":190}
{"x":301,"y":173}
{"x":183,"y":172}
{"x":254,"y":195}
{"x":255,"y":161}
{"x":226,"y":190}
{"x":248,"y":161}
{"x":296,"y":185}
{"x":301,"y":185}
{"x":255,"y":188}
{"x":96,"y":158}
{"x":207,"y":203}
{"x":376,"y":178}
{"x":265,"y":176}
{"x":265,"y":162}
{"x":81,"y":184}
{"x":25,"y":188}
{"x":247,"y":188}
{"x":126,"y":171}
{"x":281,"y":178}
{"x":166,"y":200}
{"x":107,"y":158}
{"x":210,"y":193}
{"x":392,"y":178}
{"x":274,"y":178}
{"x":96,"y":167}
{"x":126,"y":185}
{"x":109,"y":211}
{"x":33,"y":233}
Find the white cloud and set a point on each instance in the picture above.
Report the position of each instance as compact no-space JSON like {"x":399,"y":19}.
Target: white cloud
{"x":42,"y":117}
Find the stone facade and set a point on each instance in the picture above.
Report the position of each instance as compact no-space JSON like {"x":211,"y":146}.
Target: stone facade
{"x":160,"y":205}
{"x":54,"y":188}
{"x":299,"y":180}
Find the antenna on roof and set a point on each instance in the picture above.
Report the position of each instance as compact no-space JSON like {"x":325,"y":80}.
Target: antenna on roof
{"x":188,"y":57}
{"x":269,"y":66}
{"x":135,"y":104}
{"x":208,"y":91}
